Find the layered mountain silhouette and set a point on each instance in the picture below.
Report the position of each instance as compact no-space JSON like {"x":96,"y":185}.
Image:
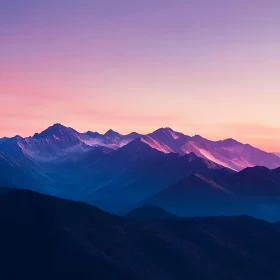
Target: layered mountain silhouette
{"x":43,"y":237}
{"x":196,"y":195}
{"x":254,"y":191}
{"x":123,"y":178}
{"x":182,"y":174}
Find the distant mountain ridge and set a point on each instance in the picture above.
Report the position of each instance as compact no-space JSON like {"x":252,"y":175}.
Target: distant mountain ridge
{"x":59,"y":140}
{"x":229,"y":152}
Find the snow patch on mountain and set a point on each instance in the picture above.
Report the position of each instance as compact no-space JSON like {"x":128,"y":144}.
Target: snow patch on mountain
{"x":209,"y":156}
{"x":156,"y":145}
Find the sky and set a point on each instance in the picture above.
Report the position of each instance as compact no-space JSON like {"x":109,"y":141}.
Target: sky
{"x":208,"y":67}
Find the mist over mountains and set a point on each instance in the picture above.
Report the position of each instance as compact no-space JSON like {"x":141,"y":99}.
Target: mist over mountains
{"x":185,"y":175}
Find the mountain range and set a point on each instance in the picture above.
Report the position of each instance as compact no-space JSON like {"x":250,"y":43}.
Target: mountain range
{"x":43,"y":237}
{"x":58,"y":140}
{"x":185,"y":175}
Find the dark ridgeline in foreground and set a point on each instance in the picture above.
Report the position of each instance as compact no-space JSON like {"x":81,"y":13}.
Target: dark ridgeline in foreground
{"x":44,"y":237}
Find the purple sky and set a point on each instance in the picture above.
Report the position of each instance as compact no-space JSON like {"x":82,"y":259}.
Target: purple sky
{"x":201,"y":67}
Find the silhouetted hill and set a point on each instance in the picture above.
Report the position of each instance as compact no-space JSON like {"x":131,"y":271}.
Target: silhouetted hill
{"x":254,"y":191}
{"x":44,"y":237}
{"x":255,"y":181}
{"x":196,"y":195}
{"x":149,"y":212}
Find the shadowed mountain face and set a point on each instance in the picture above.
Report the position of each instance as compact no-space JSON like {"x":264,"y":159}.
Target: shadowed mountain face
{"x":258,"y":180}
{"x":24,"y":172}
{"x":48,"y":238}
{"x":136,"y":171}
{"x":254,"y":191}
{"x":196,"y":195}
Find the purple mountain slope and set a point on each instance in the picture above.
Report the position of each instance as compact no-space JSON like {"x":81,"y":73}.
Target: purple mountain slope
{"x":228,"y":153}
{"x":60,"y":132}
{"x":169,"y":140}
{"x":47,"y":145}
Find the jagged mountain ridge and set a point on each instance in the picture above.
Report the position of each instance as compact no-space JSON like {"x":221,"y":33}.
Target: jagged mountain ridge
{"x":229,"y":152}
{"x":58,"y":140}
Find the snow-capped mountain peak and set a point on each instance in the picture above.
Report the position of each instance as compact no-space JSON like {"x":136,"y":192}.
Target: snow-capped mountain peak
{"x":166,"y":131}
{"x":57,"y":130}
{"x":111,"y":133}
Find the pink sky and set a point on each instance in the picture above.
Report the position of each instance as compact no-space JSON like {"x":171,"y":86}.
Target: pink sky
{"x":201,"y":69}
